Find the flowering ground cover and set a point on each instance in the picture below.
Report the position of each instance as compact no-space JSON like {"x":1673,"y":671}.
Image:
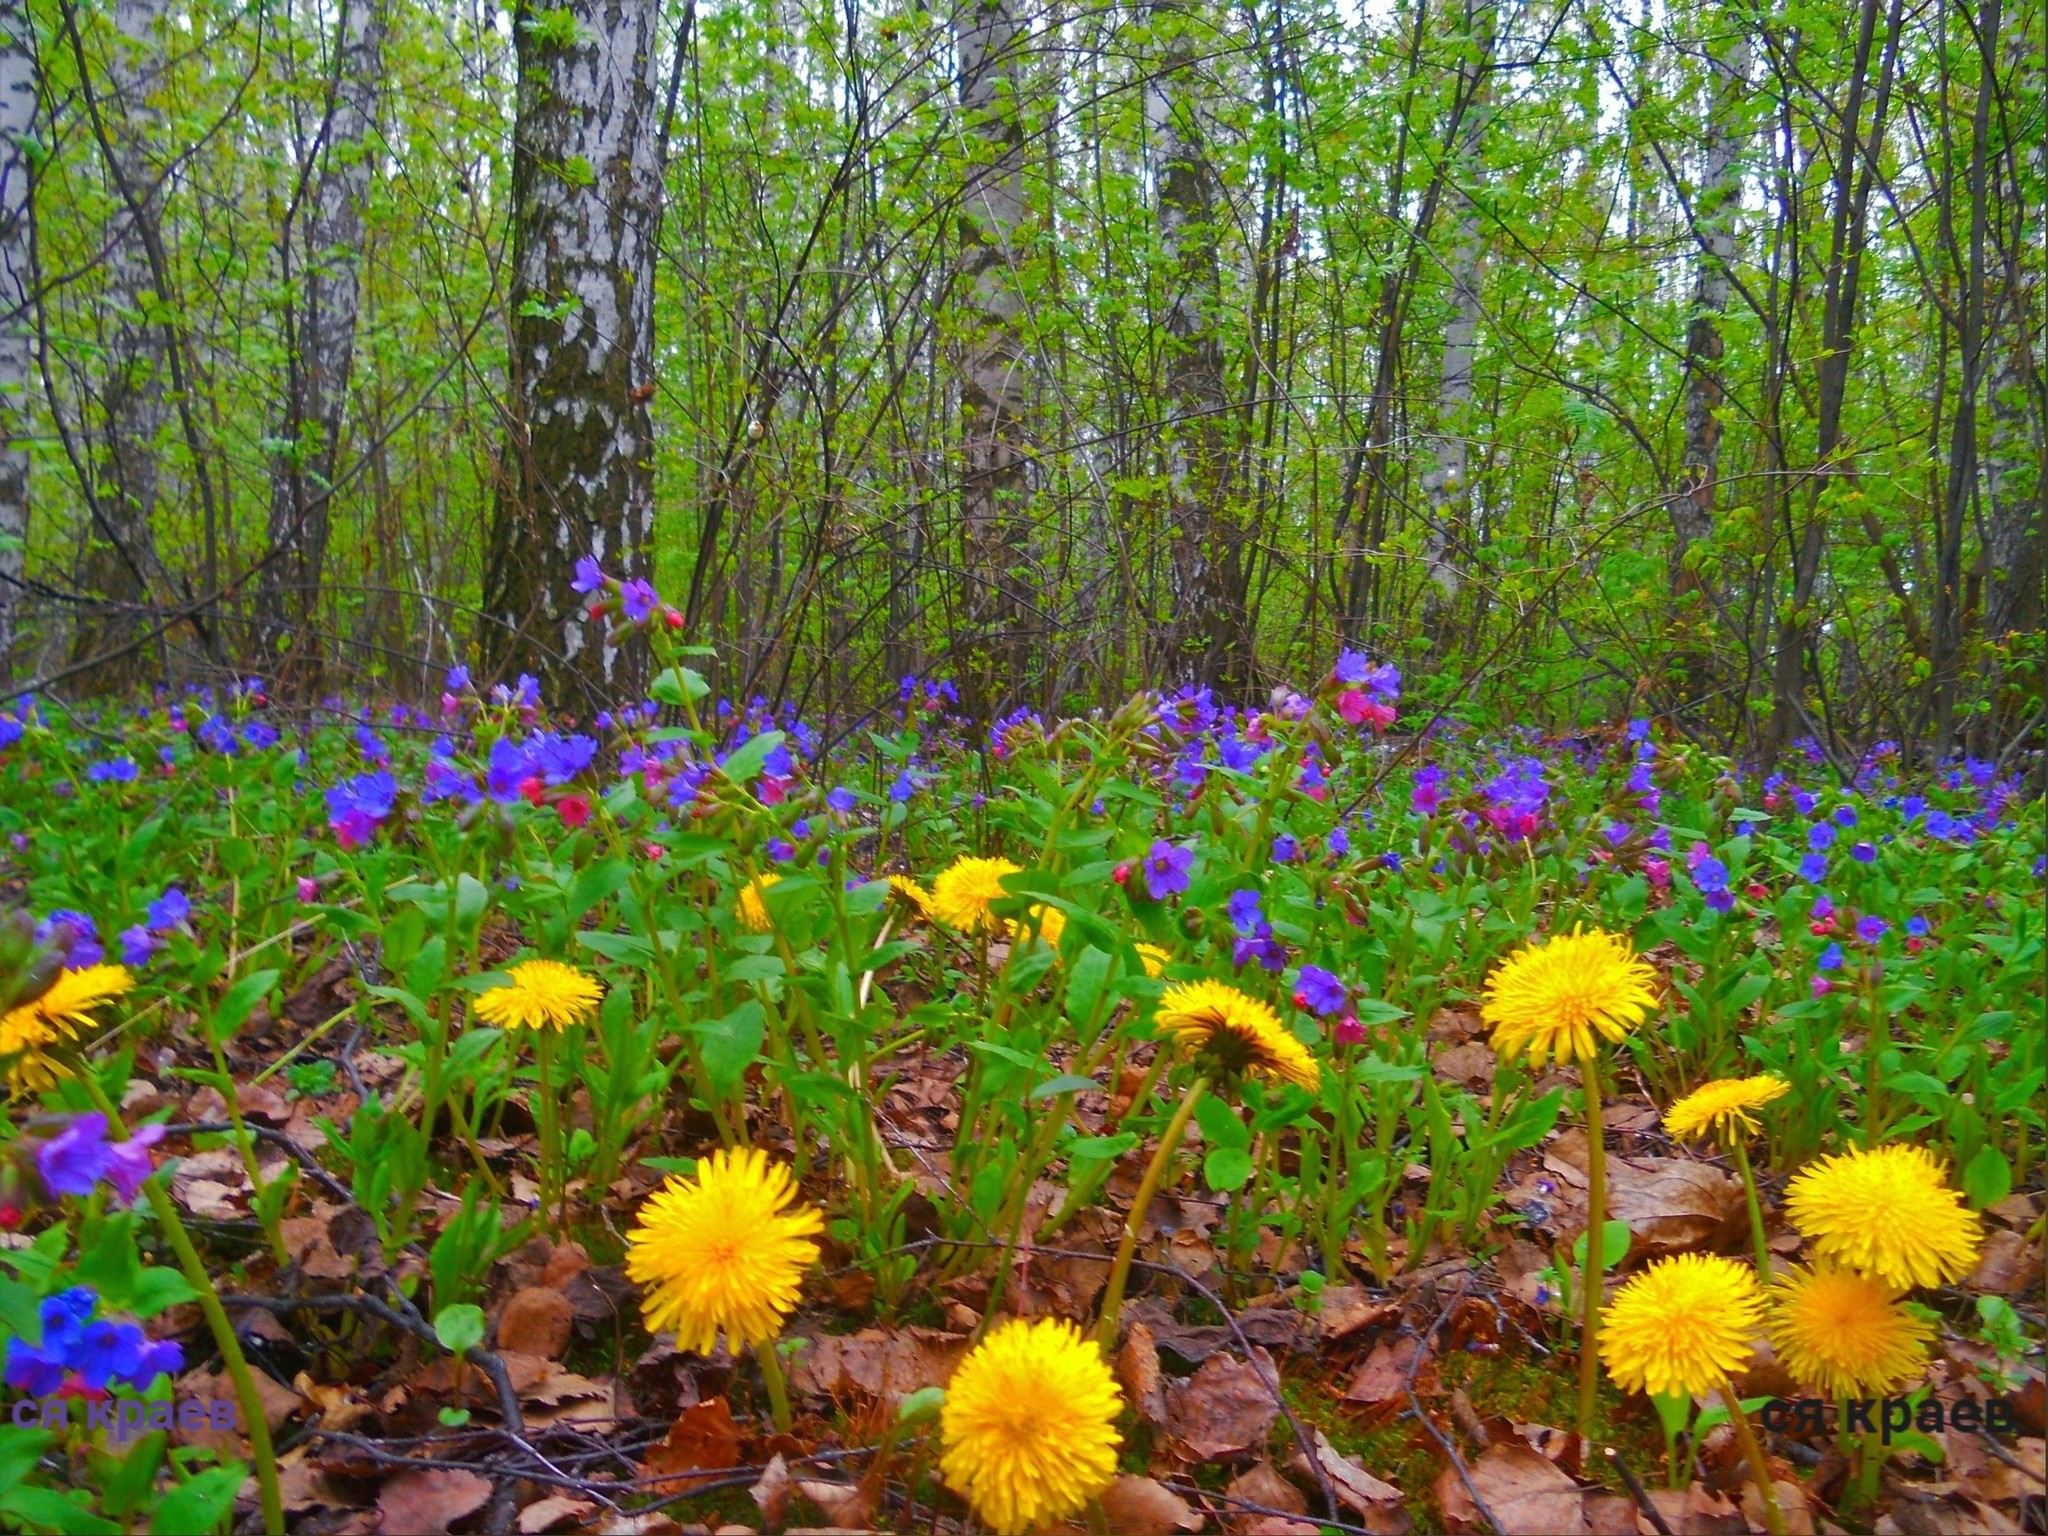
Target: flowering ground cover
{"x":1264,"y":1120}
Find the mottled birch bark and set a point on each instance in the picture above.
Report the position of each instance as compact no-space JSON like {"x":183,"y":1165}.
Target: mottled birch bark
{"x":17,"y":124}
{"x":321,"y":251}
{"x":995,"y":365}
{"x":120,"y":564}
{"x":1713,"y":217}
{"x":578,"y":470}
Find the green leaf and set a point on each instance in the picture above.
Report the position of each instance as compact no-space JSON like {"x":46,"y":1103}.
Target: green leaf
{"x":730,"y":1045}
{"x":595,"y":883}
{"x":1066,"y":1082}
{"x":921,"y":1405}
{"x":158,"y":1287}
{"x":460,"y":1328}
{"x":1614,"y":1240}
{"x":240,"y":1001}
{"x":1220,"y":1125}
{"x":678,"y":685}
{"x":1086,"y":977}
{"x":1227,"y":1168}
{"x":45,"y":1509}
{"x":201,"y":1502}
{"x":1097,"y":1148}
{"x":1987,"y":1179}
{"x":746,"y":760}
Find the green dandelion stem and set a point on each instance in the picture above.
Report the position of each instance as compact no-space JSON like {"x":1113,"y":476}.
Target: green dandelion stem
{"x":1596,"y":1223}
{"x":1120,"y":1271}
{"x":1756,"y":1212}
{"x":1774,"y":1518}
{"x":778,"y":1389}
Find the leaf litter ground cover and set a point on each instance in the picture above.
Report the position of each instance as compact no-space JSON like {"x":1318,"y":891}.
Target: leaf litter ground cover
{"x":1184,"y":1119}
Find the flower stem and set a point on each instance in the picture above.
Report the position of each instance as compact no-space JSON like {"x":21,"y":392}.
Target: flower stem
{"x":1756,"y":1213}
{"x":1120,"y":1271}
{"x":551,"y":1171}
{"x":1774,"y":1518}
{"x":253,"y":1422}
{"x":778,"y":1389}
{"x":1596,"y":1266}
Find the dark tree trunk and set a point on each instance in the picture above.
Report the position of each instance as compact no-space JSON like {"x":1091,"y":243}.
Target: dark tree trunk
{"x":321,"y":251}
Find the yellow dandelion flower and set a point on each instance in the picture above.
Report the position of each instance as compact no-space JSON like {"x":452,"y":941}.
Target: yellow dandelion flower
{"x":1052,"y":922}
{"x":723,"y":1251}
{"x":27,"y":1032}
{"x":1682,"y":1326}
{"x":1240,"y":1032}
{"x":912,"y":893}
{"x":1029,"y":1425}
{"x":1845,"y":1334}
{"x":1723,"y":1106}
{"x":961,"y":895}
{"x":1557,"y":1000}
{"x":1887,"y":1212}
{"x":1153,"y":958}
{"x":543,"y":994}
{"x":753,"y":910}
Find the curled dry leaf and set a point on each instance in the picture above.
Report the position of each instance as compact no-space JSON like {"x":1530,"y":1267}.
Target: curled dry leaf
{"x":888,"y":1364}
{"x":1139,"y":1506}
{"x":536,"y":1321}
{"x":555,"y":1511}
{"x":1225,"y":1409}
{"x":431,"y":1498}
{"x":1524,"y":1489}
{"x":703,"y":1439}
{"x":1378,"y":1504}
{"x":1137,"y":1368}
{"x":1268,"y":1494}
{"x":771,"y":1492}
{"x":846,"y":1506}
{"x":1696,"y":1510}
{"x":1381,"y":1384}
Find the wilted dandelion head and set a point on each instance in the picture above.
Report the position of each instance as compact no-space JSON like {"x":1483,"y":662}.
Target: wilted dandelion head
{"x":725,"y":1250}
{"x":962,"y":894}
{"x":1723,"y":1106}
{"x":1237,"y":1032}
{"x":1682,"y":1326}
{"x":542,"y":994}
{"x":1557,"y":1000}
{"x":1887,"y":1212}
{"x":1029,"y":1425}
{"x":752,"y":909}
{"x":1845,"y":1334}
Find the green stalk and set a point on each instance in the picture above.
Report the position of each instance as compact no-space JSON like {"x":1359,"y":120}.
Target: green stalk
{"x":1774,"y":1518}
{"x":1120,"y":1271}
{"x":1596,"y":1223}
{"x":1756,"y":1214}
{"x":778,"y":1389}
{"x":216,"y":1315}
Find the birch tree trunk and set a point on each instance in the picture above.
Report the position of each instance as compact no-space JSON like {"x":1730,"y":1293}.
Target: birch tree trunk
{"x":1446,"y":484}
{"x":120,"y":567}
{"x":578,"y":472}
{"x":321,"y":256}
{"x":17,"y":124}
{"x":1206,"y":633}
{"x":995,"y":371}
{"x":1692,"y":509}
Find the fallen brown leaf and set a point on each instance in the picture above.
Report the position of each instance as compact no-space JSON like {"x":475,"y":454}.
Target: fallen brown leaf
{"x":431,"y":1498}
{"x":1382,"y":1382}
{"x":771,"y":1492}
{"x":1378,"y":1504}
{"x":1261,"y":1486}
{"x":888,"y":1364}
{"x":1528,"y":1495}
{"x":1225,"y":1409}
{"x":703,"y":1439}
{"x":556,"y":1509}
{"x":536,"y":1321}
{"x":1138,"y":1506}
{"x":845,"y":1505}
{"x":1696,"y":1510}
{"x":1347,"y":1310}
{"x":1137,"y":1365}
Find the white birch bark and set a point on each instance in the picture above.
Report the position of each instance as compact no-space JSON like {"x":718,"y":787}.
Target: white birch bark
{"x":17,"y":125}
{"x":578,"y":477}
